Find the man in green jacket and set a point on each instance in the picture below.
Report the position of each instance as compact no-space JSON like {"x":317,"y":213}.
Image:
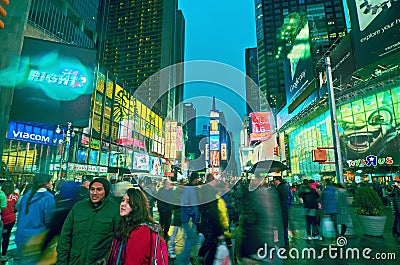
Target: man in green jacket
{"x":89,"y":228}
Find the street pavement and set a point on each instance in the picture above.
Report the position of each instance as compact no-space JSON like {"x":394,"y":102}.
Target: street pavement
{"x":380,"y":250}
{"x":371,"y":250}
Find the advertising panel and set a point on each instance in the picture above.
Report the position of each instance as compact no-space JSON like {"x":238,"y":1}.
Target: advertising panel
{"x":155,"y":166}
{"x":179,"y":138}
{"x":298,"y":67}
{"x":224,"y":155}
{"x":214,"y":127}
{"x":342,"y":61}
{"x":55,"y":83}
{"x":260,"y":126}
{"x":214,"y":114}
{"x":214,"y":142}
{"x":141,"y":161}
{"x":170,"y":139}
{"x":32,"y":134}
{"x":215,"y":160}
{"x":368,"y":130}
{"x":375,"y":27}
{"x":207,"y":152}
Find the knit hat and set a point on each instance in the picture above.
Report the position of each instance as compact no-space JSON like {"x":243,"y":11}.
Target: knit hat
{"x":105,"y":182}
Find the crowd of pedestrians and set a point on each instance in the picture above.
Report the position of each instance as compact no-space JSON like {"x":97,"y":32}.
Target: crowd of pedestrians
{"x":95,"y":222}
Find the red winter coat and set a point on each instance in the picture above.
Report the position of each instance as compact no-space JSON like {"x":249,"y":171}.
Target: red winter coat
{"x":140,"y":247}
{"x":8,"y":214}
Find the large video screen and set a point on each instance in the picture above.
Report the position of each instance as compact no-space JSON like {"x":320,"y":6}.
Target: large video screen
{"x":368,"y":130}
{"x":299,"y":70}
{"x":55,"y":83}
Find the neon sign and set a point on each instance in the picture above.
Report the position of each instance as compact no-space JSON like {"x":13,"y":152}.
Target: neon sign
{"x":370,"y":161}
{"x":68,"y":77}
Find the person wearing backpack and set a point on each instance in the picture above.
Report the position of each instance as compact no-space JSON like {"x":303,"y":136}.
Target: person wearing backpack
{"x":138,"y":238}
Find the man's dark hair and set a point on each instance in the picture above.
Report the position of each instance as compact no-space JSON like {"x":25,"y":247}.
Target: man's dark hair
{"x":278,"y":178}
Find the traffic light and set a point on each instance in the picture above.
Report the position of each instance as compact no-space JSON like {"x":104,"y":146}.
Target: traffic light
{"x":3,"y":12}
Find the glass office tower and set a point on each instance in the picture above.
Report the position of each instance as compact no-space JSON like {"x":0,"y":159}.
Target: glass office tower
{"x":327,"y":24}
{"x":71,"y":21}
{"x":143,"y":37}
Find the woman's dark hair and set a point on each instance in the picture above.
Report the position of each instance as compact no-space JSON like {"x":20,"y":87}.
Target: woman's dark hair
{"x":140,"y":213}
{"x":40,"y":180}
{"x":8,"y":187}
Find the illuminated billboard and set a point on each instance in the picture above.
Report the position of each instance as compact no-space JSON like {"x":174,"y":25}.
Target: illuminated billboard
{"x":298,"y":67}
{"x":224,"y":155}
{"x":375,"y":28}
{"x":215,"y":160}
{"x":33,"y":134}
{"x":55,"y":83}
{"x":260,"y":126}
{"x":214,"y":142}
{"x":368,"y":129}
{"x":141,"y":161}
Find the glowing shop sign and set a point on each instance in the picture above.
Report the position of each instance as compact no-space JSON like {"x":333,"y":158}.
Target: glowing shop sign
{"x":68,"y":77}
{"x":31,"y":137}
{"x":371,"y":161}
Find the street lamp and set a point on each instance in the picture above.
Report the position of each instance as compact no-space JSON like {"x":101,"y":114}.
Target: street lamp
{"x":66,"y":143}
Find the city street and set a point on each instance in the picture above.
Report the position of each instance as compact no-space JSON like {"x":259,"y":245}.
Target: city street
{"x":385,"y":246}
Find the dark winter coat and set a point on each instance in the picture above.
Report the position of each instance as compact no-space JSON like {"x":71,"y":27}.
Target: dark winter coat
{"x":87,"y":233}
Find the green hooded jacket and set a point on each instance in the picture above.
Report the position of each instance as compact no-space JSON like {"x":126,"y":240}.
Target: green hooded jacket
{"x":87,"y":233}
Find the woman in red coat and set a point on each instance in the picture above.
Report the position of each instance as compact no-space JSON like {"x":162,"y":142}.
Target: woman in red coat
{"x":8,"y":216}
{"x":138,"y":237}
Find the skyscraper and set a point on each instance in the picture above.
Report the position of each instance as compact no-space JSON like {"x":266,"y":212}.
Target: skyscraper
{"x":143,"y":37}
{"x":327,"y":23}
{"x":71,"y":22}
{"x":252,"y":89}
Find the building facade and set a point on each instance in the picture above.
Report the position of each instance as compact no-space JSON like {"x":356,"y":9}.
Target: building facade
{"x":252,"y":84}
{"x":71,"y":22}
{"x":116,"y":133}
{"x":327,"y":24}
{"x":143,"y":37}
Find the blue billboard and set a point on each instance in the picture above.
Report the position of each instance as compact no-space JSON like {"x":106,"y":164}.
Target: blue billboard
{"x":33,"y":134}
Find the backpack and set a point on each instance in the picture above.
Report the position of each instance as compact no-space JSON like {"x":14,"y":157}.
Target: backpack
{"x":158,"y":257}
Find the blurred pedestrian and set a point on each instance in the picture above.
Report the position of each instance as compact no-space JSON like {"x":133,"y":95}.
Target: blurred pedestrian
{"x":310,"y":199}
{"x":329,"y":200}
{"x":65,"y":200}
{"x":189,"y":211}
{"x":395,"y":201}
{"x":343,"y":218}
{"x":83,"y":190}
{"x":137,"y":238}
{"x":35,"y":211}
{"x":211,"y":226}
{"x":282,"y":190}
{"x":8,"y":216}
{"x":164,"y":198}
{"x":88,"y":231}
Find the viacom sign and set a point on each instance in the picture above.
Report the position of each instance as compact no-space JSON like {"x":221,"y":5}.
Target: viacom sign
{"x":31,"y":133}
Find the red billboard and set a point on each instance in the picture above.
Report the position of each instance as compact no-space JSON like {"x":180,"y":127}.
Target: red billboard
{"x":260,"y":126}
